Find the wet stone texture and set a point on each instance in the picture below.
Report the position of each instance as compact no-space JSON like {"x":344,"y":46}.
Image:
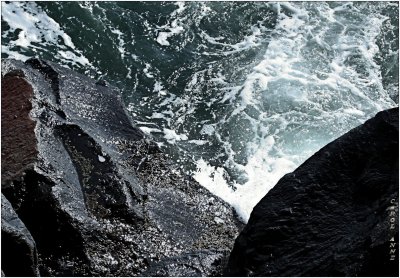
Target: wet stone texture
{"x":18,"y":148}
{"x":85,"y":193}
{"x":335,"y":215}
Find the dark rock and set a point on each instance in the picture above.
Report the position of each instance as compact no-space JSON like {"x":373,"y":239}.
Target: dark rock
{"x":18,"y":249}
{"x":97,"y":197}
{"x":333,"y":215}
{"x":188,"y":265}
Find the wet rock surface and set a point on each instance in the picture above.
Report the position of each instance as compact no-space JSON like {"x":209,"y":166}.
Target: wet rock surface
{"x":335,"y":215}
{"x":18,"y":146}
{"x":19,"y":256}
{"x":86,"y":193}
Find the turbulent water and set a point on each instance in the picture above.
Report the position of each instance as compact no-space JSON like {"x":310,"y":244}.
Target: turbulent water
{"x":238,"y":93}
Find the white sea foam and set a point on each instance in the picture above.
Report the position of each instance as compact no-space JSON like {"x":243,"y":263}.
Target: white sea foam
{"x":302,"y":101}
{"x":198,"y":142}
{"x":149,"y":130}
{"x":172,"y":28}
{"x":171,"y":136}
{"x":147,"y":71}
{"x":207,"y":129}
{"x":248,"y":42}
{"x":159,"y":88}
{"x":121,"y":42}
{"x":35,"y":30}
{"x":262,"y":169}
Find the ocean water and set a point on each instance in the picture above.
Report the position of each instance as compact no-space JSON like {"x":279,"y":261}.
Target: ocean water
{"x":237,"y":93}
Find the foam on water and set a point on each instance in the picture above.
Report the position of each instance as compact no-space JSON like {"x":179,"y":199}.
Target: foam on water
{"x":173,"y":28}
{"x":248,"y":42}
{"x":121,"y":42}
{"x":301,"y":101}
{"x":37,"y":31}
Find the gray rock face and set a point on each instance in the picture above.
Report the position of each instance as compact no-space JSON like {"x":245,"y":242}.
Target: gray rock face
{"x":97,"y":197}
{"x":335,"y":215}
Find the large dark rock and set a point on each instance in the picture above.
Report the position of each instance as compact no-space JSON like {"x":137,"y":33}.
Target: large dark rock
{"x":335,"y":215}
{"x":89,"y":194}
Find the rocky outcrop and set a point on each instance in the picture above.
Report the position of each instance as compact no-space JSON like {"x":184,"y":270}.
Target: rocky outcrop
{"x":87,"y":194}
{"x":335,"y":215}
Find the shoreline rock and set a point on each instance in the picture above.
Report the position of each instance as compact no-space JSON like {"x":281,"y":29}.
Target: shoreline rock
{"x":97,"y":197}
{"x":332,"y":216}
